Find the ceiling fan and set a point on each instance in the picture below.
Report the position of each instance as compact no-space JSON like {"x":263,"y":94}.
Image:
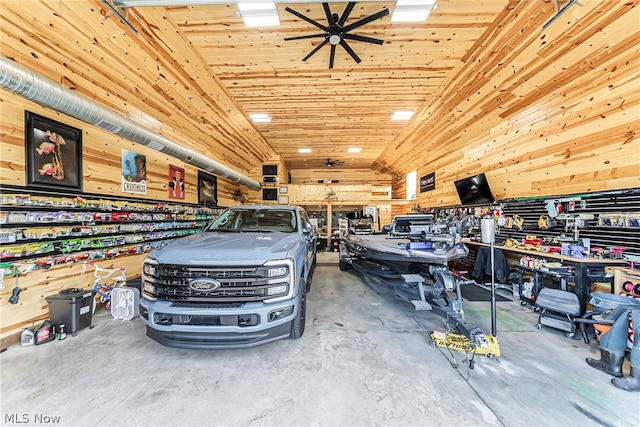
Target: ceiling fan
{"x":333,"y":163}
{"x":336,"y":33}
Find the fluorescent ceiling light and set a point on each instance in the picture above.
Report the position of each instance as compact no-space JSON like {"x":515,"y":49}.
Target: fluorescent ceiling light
{"x":412,"y":10}
{"x":261,"y":14}
{"x":260,"y":117}
{"x":304,"y":150}
{"x":354,"y":150}
{"x":402,"y":115}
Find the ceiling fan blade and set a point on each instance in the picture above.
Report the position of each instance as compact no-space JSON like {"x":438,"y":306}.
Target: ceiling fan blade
{"x":310,"y":36}
{"x":316,"y":49}
{"x":366,"y":20}
{"x":350,"y":51}
{"x":332,"y":56}
{"x":309,"y":20}
{"x":327,"y":12}
{"x":362,"y":38}
{"x":346,"y":13}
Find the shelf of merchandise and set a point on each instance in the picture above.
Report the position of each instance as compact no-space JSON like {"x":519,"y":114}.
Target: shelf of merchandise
{"x":40,"y":231}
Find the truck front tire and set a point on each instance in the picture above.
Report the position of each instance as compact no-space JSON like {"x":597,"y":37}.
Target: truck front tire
{"x":297,"y":326}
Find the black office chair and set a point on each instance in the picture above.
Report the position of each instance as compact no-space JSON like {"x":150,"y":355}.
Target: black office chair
{"x":504,"y":276}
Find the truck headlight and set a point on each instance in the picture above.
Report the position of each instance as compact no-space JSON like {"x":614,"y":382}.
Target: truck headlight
{"x":277,"y":271}
{"x":149,"y":268}
{"x":277,"y":290}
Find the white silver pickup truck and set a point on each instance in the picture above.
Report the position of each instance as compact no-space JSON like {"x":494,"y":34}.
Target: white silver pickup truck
{"x":242,"y":282}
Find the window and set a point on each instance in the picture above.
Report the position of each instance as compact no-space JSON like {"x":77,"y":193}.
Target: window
{"x":412,"y":185}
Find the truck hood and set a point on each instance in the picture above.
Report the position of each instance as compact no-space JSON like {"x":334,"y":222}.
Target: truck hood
{"x":222,"y":248}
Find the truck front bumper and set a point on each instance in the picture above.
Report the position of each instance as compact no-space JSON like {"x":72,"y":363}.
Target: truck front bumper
{"x":206,"y":326}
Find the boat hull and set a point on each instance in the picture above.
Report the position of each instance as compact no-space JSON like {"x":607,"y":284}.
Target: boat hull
{"x":380,"y":247}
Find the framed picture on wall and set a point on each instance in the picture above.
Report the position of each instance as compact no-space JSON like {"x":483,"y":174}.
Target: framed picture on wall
{"x":283,"y":200}
{"x":53,"y":153}
{"x":207,"y":189}
{"x":176,"y":182}
{"x":284,"y":189}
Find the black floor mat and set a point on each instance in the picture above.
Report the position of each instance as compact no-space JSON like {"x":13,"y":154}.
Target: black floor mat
{"x":476,"y":293}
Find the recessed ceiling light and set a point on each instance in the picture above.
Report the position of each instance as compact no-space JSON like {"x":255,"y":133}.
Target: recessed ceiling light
{"x":304,"y":150}
{"x":260,"y":117}
{"x":412,"y":10}
{"x":354,"y":150}
{"x":261,"y":14}
{"x":402,"y":115}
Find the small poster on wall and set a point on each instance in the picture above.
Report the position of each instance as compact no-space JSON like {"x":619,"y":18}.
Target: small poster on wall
{"x":428,"y":182}
{"x":134,"y":172}
{"x":176,"y":182}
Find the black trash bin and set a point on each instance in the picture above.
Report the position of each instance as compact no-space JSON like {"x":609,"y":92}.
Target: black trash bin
{"x":72,"y":307}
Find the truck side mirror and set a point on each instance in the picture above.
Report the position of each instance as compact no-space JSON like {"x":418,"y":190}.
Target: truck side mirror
{"x":307,"y":228}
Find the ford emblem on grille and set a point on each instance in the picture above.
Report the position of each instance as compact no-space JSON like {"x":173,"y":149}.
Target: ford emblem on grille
{"x":204,"y":285}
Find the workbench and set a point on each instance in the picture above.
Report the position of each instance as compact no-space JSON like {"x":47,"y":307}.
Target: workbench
{"x":581,"y":266}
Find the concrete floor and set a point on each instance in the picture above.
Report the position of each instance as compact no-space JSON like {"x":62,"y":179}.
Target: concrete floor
{"x":364,"y":360}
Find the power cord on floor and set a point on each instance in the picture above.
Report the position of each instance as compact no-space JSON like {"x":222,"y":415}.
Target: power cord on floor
{"x":470,"y":361}
{"x":459,"y":343}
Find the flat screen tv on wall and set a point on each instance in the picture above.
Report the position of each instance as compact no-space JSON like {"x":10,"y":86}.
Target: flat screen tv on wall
{"x":474,"y":190}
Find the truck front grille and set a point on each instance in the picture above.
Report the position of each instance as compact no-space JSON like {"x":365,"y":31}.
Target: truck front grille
{"x":172,"y":282}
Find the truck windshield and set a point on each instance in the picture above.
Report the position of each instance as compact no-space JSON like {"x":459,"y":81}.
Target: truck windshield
{"x":255,"y":220}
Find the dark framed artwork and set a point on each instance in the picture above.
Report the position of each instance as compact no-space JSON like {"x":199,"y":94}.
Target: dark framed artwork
{"x":53,"y":153}
{"x":207,"y":189}
{"x":176,"y":182}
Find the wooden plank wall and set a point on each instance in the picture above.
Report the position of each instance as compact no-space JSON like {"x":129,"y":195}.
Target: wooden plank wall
{"x":153,"y":80}
{"x":343,"y":175}
{"x":101,"y":175}
{"x":101,"y":155}
{"x":541,"y":112}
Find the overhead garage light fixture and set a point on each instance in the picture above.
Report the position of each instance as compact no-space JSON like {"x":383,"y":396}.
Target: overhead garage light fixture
{"x":354,"y":149}
{"x":412,"y":10}
{"x":260,"y":14}
{"x":260,"y":118}
{"x":304,"y":150}
{"x":402,"y":115}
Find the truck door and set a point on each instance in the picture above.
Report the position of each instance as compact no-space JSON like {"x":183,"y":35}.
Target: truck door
{"x":311,"y":240}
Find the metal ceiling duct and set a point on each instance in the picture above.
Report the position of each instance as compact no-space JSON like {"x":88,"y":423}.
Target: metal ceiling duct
{"x":50,"y":94}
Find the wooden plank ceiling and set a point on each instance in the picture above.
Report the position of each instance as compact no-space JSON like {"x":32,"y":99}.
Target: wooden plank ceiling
{"x":158,"y":76}
{"x":195,"y":72}
{"x":350,"y":105}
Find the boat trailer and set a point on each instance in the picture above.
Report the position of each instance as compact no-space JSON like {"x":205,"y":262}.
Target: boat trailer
{"x":433,"y":288}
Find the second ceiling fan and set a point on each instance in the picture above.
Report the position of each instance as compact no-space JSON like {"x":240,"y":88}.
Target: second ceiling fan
{"x":336,"y":33}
